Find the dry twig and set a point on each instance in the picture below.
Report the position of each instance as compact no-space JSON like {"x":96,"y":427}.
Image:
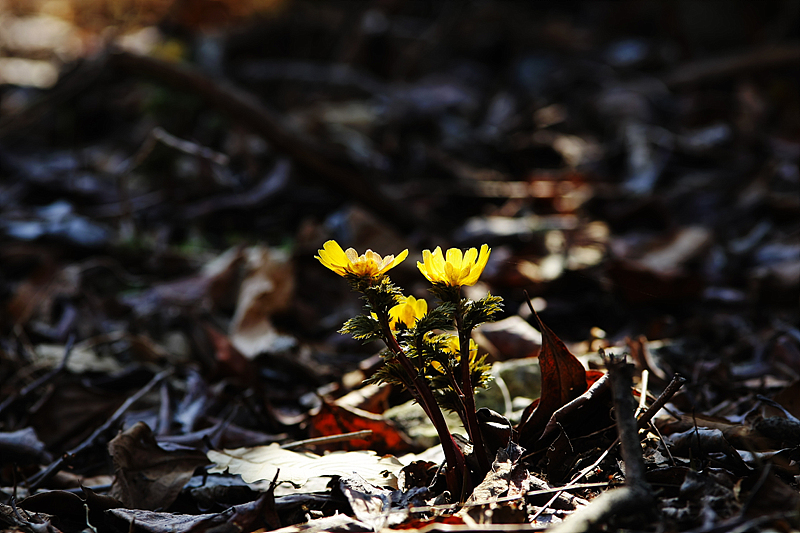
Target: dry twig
{"x":37,"y":480}
{"x":635,"y":497}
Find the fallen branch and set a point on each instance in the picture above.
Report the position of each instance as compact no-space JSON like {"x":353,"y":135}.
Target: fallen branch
{"x":27,"y":390}
{"x":718,"y":68}
{"x":676,"y":383}
{"x":342,"y":437}
{"x":332,"y":167}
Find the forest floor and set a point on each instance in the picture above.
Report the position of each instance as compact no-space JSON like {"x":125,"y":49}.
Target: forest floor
{"x":170,"y":355}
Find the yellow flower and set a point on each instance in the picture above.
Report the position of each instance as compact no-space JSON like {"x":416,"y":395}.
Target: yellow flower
{"x":367,"y":265}
{"x":453,"y":345}
{"x":454,"y":269}
{"x":408,"y":311}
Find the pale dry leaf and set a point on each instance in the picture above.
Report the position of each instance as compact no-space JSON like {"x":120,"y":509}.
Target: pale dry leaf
{"x":266,"y":289}
{"x":264,"y":462}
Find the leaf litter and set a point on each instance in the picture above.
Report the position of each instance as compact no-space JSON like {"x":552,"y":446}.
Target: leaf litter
{"x":169,"y":355}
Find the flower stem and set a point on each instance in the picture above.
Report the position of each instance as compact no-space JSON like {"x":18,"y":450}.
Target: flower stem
{"x":457,"y":467}
{"x":474,"y":430}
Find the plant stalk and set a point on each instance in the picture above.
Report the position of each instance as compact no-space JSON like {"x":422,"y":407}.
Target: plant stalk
{"x":452,"y":453}
{"x":468,"y":392}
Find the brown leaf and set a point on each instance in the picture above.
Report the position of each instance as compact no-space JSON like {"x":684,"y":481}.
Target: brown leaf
{"x":587,"y":410}
{"x":643,"y":358}
{"x":370,"y":504}
{"x":69,"y":413}
{"x":789,"y":398}
{"x":66,"y":508}
{"x":510,"y":338}
{"x":563,"y":380}
{"x":266,"y":289}
{"x":766,"y":494}
{"x":508,"y":477}
{"x":147,"y":476}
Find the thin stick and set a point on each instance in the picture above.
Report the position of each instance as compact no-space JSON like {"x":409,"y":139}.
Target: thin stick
{"x":188,"y":147}
{"x":718,"y":68}
{"x":676,"y":383}
{"x":643,"y":393}
{"x":364,"y":433}
{"x":427,"y":508}
{"x":38,"y":479}
{"x":663,"y":443}
{"x":42,"y":380}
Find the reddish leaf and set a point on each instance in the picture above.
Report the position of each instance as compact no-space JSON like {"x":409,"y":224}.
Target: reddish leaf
{"x":333,"y":419}
{"x":563,"y":380}
{"x":592,"y":376}
{"x":428,"y":523}
{"x":230,"y":361}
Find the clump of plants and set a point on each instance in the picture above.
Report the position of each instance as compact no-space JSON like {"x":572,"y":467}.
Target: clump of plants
{"x":429,"y":351}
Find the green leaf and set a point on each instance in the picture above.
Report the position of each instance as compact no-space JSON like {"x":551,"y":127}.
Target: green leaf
{"x":382,"y":296}
{"x":480,"y":311}
{"x":440,"y":317}
{"x":363,"y":328}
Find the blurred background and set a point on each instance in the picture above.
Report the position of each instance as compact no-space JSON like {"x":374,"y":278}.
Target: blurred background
{"x":169,"y":169}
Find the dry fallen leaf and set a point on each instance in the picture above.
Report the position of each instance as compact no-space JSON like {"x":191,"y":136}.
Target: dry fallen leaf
{"x":266,"y":289}
{"x":370,"y":504}
{"x":148,"y":476}
{"x":265,"y":462}
{"x":563,"y":380}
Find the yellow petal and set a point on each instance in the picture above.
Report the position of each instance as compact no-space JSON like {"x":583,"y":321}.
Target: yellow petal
{"x":470,"y":256}
{"x":437,"y":260}
{"x":454,"y":258}
{"x":332,"y":257}
{"x":431,"y":264}
{"x":420,"y":307}
{"x":335,"y":251}
{"x":394,"y":261}
{"x":332,"y":253}
{"x":450,"y":274}
{"x":424,"y":267}
{"x":477,"y":270}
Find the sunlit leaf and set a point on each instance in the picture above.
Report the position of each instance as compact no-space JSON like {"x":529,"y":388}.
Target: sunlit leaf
{"x":265,"y":462}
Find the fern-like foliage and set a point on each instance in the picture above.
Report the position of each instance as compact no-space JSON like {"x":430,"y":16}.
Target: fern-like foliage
{"x":479,"y":311}
{"x":381,"y":296}
{"x":363,"y":327}
{"x":391,"y":372}
{"x":439,"y":318}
